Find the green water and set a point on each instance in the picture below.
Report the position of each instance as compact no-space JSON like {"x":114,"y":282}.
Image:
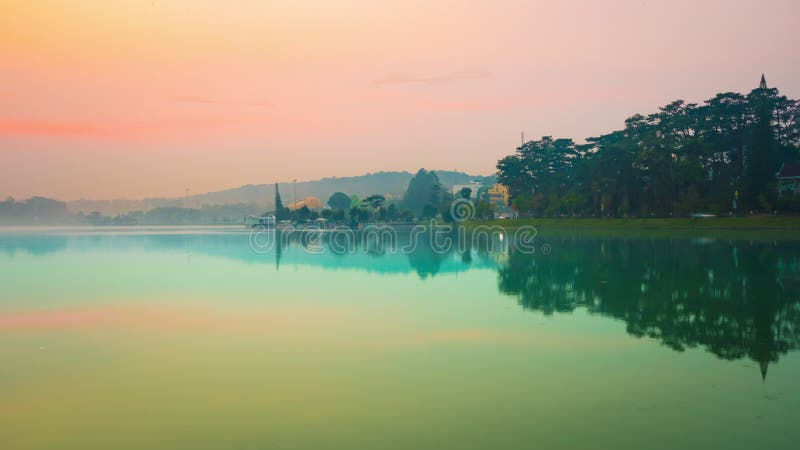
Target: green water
{"x":188,"y":339}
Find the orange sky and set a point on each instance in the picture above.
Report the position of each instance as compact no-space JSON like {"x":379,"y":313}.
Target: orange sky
{"x":140,"y":98}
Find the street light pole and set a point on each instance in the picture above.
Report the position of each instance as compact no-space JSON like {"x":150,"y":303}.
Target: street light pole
{"x":186,"y":204}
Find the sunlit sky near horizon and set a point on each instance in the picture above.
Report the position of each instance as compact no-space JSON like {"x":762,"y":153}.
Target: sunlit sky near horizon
{"x":127,"y":98}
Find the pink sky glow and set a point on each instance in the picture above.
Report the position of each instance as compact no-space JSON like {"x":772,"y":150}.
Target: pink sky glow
{"x":132,"y":98}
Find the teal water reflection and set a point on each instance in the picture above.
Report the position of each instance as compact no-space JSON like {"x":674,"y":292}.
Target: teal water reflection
{"x":612,"y":342}
{"x":735,"y":299}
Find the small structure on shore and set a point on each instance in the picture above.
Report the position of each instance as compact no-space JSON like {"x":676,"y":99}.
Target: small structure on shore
{"x":267,"y":221}
{"x":789,"y":179}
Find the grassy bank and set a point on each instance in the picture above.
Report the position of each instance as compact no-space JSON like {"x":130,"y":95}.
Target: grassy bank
{"x":760,"y":227}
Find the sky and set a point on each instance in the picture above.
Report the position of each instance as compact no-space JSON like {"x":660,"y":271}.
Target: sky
{"x":146,"y":98}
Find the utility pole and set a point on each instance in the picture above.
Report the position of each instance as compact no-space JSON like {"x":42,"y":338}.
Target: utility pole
{"x":186,"y":204}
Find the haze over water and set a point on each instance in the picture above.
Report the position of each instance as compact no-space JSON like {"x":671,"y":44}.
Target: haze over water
{"x":187,"y":338}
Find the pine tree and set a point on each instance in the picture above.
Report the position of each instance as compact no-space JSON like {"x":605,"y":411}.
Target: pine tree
{"x":278,"y":202}
{"x":761,"y":157}
{"x":281,"y":212}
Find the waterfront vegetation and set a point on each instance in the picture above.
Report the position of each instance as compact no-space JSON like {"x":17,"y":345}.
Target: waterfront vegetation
{"x":717,"y":157}
{"x":720,"y":157}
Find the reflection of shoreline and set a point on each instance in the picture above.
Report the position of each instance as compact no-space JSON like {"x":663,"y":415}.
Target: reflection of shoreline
{"x":729,"y":298}
{"x":68,"y":230}
{"x":734,"y":299}
{"x":711,"y":227}
{"x":235,"y":246}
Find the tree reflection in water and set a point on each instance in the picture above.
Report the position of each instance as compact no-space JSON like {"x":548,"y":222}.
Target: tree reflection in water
{"x":735,"y":299}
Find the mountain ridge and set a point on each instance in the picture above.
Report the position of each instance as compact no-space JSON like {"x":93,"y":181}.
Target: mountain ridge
{"x":390,"y":183}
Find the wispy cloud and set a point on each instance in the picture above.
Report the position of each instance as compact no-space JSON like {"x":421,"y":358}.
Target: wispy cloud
{"x":134,"y":130}
{"x":37,"y":128}
{"x":436,"y":79}
{"x":217,"y":101}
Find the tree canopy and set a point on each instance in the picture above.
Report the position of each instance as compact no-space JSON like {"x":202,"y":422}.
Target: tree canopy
{"x":684,"y":158}
{"x":424,"y":194}
{"x":375,"y":201}
{"x":339,"y":200}
{"x":281,"y":212}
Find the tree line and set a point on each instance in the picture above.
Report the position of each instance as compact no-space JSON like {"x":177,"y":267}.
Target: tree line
{"x":425,"y":198}
{"x":47,"y":211}
{"x":718,"y":157}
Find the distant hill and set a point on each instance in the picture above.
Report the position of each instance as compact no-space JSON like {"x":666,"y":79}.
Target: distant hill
{"x":262,"y":195}
{"x":35,"y":211}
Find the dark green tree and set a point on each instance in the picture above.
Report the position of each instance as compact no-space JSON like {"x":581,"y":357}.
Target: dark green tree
{"x":375,"y":201}
{"x":391,"y":212}
{"x":278,"y":202}
{"x":302,"y":214}
{"x":339,"y":200}
{"x":337,"y":215}
{"x":281,"y":212}
{"x":424,"y":190}
{"x":761,"y":157}
{"x":685,"y":158}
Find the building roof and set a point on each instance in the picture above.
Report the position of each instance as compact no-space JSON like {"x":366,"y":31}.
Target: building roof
{"x":311,"y":202}
{"x":789,"y":170}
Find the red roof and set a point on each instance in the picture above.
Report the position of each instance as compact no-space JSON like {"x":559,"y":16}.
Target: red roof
{"x":790,"y":170}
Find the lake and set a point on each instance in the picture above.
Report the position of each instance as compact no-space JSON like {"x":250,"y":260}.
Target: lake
{"x":193,"y":338}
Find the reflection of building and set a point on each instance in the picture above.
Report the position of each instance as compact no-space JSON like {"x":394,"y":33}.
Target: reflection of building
{"x":498,"y":195}
{"x":789,"y":179}
{"x":473,"y":186}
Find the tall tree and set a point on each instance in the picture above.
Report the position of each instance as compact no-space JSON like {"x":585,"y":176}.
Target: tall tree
{"x":539,"y":170}
{"x":281,"y":212}
{"x":278,"y":202}
{"x":375,"y":201}
{"x":424,"y":189}
{"x":760,"y":157}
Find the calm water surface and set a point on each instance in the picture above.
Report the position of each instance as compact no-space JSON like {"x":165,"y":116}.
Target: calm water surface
{"x":188,"y":339}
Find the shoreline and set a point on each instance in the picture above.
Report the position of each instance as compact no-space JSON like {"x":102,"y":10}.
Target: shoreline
{"x":687,"y":223}
{"x":754,"y":227}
